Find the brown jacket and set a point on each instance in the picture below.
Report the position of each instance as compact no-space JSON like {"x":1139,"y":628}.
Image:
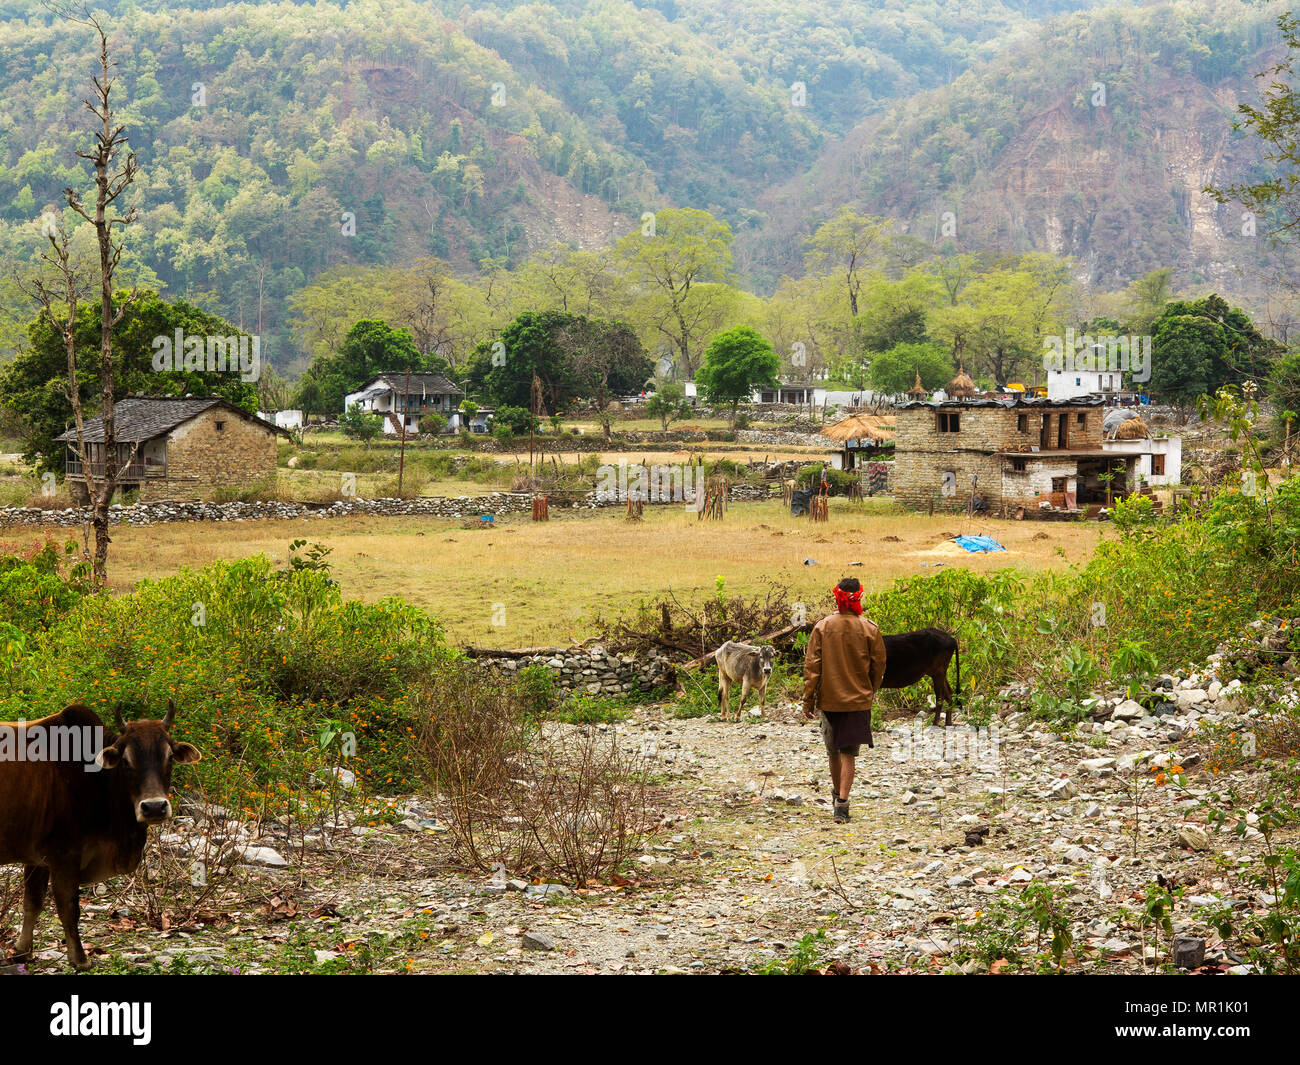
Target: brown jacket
{"x":844,"y":665}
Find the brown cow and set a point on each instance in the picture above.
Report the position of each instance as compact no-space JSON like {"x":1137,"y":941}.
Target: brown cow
{"x":909,"y":656}
{"x":76,"y":812}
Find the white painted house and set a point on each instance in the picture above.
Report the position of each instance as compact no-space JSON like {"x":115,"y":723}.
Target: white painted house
{"x":802,"y":395}
{"x":400,"y":401}
{"x":284,"y":419}
{"x":1063,"y":385}
{"x":1159,"y":459}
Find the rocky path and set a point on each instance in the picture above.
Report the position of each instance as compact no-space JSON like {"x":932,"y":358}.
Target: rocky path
{"x":747,"y":861}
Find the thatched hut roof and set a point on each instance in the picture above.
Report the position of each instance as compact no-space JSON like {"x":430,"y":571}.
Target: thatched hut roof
{"x":919,"y":390}
{"x":1133,"y":429}
{"x":962,"y":384}
{"x":862,"y":427}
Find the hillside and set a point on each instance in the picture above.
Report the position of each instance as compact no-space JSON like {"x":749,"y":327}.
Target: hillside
{"x":280,"y":139}
{"x":1024,"y":158}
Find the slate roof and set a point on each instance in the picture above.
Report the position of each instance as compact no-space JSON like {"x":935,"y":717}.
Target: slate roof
{"x":421,"y":383}
{"x":141,"y":418}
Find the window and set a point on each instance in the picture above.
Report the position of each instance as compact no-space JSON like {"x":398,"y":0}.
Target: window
{"x":949,"y":422}
{"x":1157,"y":465}
{"x":1082,"y":418}
{"x":1022,"y":423}
{"x":220,"y":426}
{"x":1078,"y":380}
{"x":1018,"y":465}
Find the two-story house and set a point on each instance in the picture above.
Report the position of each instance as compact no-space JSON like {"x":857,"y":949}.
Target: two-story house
{"x":404,"y":402}
{"x":1009,"y":451}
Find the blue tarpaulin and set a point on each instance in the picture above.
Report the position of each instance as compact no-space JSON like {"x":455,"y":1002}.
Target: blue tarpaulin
{"x":978,"y":543}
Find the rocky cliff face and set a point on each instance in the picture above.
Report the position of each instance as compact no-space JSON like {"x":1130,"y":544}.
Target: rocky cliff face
{"x":1026,"y":158}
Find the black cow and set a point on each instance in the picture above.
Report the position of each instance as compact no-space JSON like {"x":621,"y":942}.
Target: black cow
{"x":909,"y":656}
{"x":76,"y":812}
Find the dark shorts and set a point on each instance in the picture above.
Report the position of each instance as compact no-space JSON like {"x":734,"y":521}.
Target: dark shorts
{"x":845,"y":731}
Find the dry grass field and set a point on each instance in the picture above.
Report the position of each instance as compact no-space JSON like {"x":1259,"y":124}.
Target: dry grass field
{"x":551,"y":577}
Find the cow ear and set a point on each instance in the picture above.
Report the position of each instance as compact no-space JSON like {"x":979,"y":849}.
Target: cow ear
{"x":109,"y":758}
{"x":170,"y":718}
{"x":185,"y":753}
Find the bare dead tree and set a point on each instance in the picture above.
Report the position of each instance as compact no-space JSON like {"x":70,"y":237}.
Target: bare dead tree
{"x":112,"y":179}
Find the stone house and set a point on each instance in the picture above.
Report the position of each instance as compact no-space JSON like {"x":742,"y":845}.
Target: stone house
{"x":1009,"y":452}
{"x":178,"y":448}
{"x":401,"y":401}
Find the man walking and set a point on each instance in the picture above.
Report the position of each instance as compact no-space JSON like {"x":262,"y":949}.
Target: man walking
{"x":842,"y":671}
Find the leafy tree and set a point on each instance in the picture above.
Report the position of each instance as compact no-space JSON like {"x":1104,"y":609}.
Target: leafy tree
{"x":895,"y":370}
{"x":1277,"y":124}
{"x":668,"y":404}
{"x":359,"y":424}
{"x":433,"y":424}
{"x":1185,"y":351}
{"x":573,"y":357}
{"x":370,"y":347}
{"x":516,"y":420}
{"x":1200,"y":345}
{"x":1284,"y":382}
{"x":676,"y":264}
{"x":34,"y":386}
{"x":849,"y":245}
{"x":735,"y":363}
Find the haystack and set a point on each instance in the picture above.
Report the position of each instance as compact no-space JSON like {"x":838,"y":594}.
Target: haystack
{"x":962,"y":385}
{"x":1132,"y":429}
{"x":861,"y":427}
{"x":918,"y":390}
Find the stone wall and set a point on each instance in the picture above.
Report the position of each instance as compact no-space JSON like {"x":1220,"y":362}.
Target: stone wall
{"x":595,"y":671}
{"x":216,"y":450}
{"x":469,"y":507}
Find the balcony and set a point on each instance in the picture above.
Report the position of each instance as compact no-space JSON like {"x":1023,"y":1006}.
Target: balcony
{"x":135,"y":473}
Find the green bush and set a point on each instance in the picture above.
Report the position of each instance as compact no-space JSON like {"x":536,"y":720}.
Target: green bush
{"x":256,"y":660}
{"x":840,"y":482}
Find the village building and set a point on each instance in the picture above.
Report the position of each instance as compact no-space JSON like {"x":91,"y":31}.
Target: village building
{"x":1007,"y":453}
{"x":1065,"y":385}
{"x":177,"y":448}
{"x":800,"y":395}
{"x":1159,"y":458}
{"x":862,"y":438}
{"x":402,"y":402}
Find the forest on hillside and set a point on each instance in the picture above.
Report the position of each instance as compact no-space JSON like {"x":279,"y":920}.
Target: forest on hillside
{"x":284,"y":146}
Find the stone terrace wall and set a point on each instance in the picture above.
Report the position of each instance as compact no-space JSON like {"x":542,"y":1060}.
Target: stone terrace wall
{"x":595,"y":671}
{"x":433,"y":506}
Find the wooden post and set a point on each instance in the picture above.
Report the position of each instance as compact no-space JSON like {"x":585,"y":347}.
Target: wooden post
{"x":401,"y":458}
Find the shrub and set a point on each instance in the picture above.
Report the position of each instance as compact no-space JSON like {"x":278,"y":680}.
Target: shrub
{"x":433,"y":424}
{"x":840,"y":482}
{"x":571,"y":804}
{"x":255,"y":659}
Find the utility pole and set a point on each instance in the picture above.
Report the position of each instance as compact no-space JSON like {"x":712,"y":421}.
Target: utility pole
{"x":401,"y":457}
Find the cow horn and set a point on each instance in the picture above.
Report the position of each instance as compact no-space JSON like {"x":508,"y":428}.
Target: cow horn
{"x":170,"y":716}
{"x":117,"y":716}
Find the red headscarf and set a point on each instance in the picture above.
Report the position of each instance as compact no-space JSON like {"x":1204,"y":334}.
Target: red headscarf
{"x":848,"y":602}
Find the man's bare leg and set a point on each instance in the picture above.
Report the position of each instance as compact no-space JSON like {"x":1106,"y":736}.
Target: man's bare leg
{"x":844,"y":781}
{"x":835,"y":774}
